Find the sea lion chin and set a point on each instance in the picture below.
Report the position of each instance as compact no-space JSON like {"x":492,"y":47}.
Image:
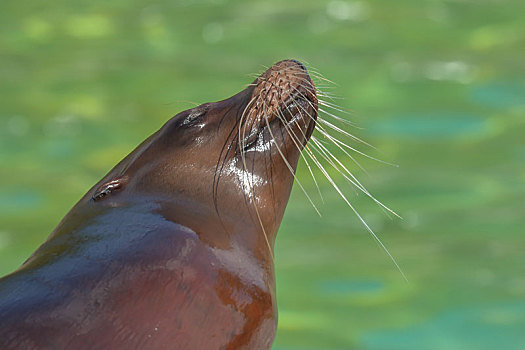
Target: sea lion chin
{"x":172,"y":249}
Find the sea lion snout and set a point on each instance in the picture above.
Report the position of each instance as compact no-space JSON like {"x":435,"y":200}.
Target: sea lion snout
{"x":284,"y":95}
{"x":284,"y":82}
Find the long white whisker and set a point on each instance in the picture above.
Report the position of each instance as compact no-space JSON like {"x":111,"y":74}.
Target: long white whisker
{"x":331,"y":106}
{"x":338,"y":129}
{"x":327,"y":120}
{"x":354,"y":181}
{"x":362,"y":220}
{"x":245,"y":166}
{"x":342,"y":120}
{"x":295,"y":139}
{"x":290,"y":167}
{"x":339,"y":142}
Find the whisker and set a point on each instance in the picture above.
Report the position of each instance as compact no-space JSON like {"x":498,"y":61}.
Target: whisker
{"x":243,"y":157}
{"x":358,"y":185}
{"x":356,"y":182}
{"x":334,"y":141}
{"x":339,"y":142}
{"x":334,"y":107}
{"x":342,"y":120}
{"x":362,"y":220}
{"x":318,"y":75}
{"x":346,"y":133}
{"x":320,"y":149}
{"x":295,"y":139}
{"x":289,"y":166}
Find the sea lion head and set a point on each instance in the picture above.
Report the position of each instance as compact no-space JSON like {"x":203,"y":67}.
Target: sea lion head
{"x":228,"y":164}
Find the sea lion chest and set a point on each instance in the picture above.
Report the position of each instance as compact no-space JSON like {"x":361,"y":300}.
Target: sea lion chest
{"x":139,"y":282}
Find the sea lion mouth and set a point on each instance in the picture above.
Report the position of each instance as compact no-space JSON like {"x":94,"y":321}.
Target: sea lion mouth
{"x":284,"y":100}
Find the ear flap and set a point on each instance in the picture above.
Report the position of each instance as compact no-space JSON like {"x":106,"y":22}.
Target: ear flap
{"x":109,"y":187}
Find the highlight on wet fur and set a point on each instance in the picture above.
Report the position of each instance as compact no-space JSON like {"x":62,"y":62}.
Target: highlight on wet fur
{"x":282,"y":94}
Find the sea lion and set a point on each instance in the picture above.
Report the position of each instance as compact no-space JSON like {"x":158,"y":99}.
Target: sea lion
{"x":172,"y":249}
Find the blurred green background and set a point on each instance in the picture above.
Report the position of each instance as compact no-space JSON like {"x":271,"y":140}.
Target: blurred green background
{"x":438,"y":87}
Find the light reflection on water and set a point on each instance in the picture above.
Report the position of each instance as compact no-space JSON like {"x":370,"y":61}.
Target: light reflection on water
{"x":484,"y":327}
{"x":12,"y":201}
{"x":430,"y":125}
{"x":499,"y":94}
{"x":342,"y":287}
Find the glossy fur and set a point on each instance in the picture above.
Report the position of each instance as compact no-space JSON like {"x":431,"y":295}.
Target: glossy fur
{"x":172,"y":249}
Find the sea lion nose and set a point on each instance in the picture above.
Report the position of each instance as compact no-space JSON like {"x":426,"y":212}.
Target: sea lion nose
{"x":296,"y":63}
{"x":289,"y":64}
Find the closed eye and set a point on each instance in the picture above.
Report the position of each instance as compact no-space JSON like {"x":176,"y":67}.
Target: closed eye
{"x":108,"y":188}
{"x":193,"y":117}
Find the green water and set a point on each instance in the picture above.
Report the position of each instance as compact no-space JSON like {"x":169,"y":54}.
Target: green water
{"x":438,"y":87}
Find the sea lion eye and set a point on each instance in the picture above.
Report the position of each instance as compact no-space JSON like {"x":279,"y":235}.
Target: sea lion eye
{"x":195,"y":115}
{"x":191,"y":118}
{"x":108,"y":187}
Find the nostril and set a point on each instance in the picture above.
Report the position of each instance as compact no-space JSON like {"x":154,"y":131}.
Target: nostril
{"x":299,"y":64}
{"x":290,"y":64}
